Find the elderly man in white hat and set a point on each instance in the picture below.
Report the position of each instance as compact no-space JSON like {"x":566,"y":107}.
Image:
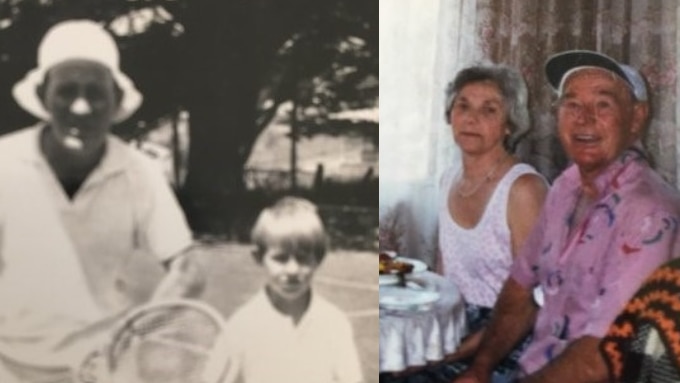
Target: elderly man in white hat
{"x":79,"y":209}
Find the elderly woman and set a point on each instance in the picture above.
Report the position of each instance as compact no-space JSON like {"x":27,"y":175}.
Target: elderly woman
{"x":489,"y":205}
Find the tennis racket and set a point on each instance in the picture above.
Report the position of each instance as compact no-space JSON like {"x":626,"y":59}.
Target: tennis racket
{"x":175,"y":341}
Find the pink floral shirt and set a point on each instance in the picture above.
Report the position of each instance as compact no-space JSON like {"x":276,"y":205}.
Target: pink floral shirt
{"x":587,"y":279}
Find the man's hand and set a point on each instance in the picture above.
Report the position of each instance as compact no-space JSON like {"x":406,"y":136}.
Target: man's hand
{"x":184,"y":279}
{"x":468,"y":348}
{"x":513,"y":317}
{"x":580,"y":362}
{"x":473,"y":375}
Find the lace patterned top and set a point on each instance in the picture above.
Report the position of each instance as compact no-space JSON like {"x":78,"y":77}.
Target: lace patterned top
{"x":478,"y":259}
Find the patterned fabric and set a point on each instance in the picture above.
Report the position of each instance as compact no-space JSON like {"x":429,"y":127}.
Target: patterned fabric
{"x":588,"y":277}
{"x":643,"y":343}
{"x":443,"y":373}
{"x":524,"y":33}
{"x":478,"y":259}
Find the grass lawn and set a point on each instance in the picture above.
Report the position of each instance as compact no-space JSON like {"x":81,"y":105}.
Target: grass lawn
{"x":346,"y":278}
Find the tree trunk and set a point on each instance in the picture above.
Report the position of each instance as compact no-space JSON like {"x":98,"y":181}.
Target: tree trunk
{"x":221,"y":94}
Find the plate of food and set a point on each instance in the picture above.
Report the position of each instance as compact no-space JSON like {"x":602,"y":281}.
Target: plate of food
{"x":408,"y":298}
{"x":391,"y":266}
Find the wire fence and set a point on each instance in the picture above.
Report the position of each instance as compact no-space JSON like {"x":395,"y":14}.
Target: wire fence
{"x":349,"y":208}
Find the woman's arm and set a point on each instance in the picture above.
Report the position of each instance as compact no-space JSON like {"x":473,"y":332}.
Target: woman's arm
{"x":527,"y":196}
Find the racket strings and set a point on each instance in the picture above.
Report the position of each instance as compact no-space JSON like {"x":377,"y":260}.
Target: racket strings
{"x":166,"y":344}
{"x":177,"y":344}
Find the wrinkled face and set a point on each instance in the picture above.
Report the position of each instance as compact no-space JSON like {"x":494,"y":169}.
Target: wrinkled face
{"x":82,"y":99}
{"x":289,"y":275}
{"x":479,"y":117}
{"x":597,"y":118}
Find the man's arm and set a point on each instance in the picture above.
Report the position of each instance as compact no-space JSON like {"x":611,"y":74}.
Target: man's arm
{"x":640,"y":248}
{"x":580,"y":362}
{"x":513,"y":317}
{"x":164,"y":231}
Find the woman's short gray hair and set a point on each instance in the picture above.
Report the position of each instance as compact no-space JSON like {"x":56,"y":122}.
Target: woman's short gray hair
{"x":514,"y":92}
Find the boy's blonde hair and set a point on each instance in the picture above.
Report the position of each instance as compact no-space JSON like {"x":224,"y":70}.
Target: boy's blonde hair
{"x":293,"y":224}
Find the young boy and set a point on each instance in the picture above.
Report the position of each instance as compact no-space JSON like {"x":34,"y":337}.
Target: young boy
{"x":286,"y":332}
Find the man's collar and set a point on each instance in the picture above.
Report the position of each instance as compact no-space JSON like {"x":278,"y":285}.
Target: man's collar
{"x":28,"y":144}
{"x":111,"y":163}
{"x":609,"y":178}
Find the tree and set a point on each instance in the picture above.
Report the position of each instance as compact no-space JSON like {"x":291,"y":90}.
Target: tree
{"x":320,"y":55}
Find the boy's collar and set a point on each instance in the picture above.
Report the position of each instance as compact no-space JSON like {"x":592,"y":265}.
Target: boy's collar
{"x":295,"y":309}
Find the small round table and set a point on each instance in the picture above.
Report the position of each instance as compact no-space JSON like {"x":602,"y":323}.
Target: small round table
{"x":410,"y":338}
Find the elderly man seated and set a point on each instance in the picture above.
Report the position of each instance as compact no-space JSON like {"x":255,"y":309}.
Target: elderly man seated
{"x":77,"y":208}
{"x":607,"y":222}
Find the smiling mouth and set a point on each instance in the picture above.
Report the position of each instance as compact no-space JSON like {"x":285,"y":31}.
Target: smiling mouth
{"x":72,"y":140}
{"x":585,"y":138}
{"x":292,"y":287}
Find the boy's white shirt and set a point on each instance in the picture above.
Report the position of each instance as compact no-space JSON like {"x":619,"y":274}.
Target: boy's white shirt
{"x":266,"y":346}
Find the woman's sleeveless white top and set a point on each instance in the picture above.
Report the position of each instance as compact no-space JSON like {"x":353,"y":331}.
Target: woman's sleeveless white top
{"x":478,"y":259}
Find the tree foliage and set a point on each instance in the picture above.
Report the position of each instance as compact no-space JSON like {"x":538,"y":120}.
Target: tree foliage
{"x":230,"y":63}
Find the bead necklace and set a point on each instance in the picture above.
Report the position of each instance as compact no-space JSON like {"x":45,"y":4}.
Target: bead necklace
{"x":484,"y":180}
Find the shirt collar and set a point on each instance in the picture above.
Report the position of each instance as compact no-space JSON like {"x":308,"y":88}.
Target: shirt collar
{"x":112,"y":163}
{"x":114,"y":159}
{"x":307,"y":316}
{"x":28,"y":147}
{"x":610,"y":178}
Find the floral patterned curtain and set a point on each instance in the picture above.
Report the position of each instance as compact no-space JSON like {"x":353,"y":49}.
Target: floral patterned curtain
{"x":642,"y":33}
{"x":522,"y":33}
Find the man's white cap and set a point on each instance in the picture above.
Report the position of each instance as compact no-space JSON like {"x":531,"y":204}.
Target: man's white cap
{"x":560,"y":66}
{"x":79,"y":40}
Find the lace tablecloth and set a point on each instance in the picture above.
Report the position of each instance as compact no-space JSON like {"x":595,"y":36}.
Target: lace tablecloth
{"x":414,"y":337}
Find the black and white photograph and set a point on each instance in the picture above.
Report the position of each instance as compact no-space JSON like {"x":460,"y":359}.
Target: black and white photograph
{"x":189,"y":191}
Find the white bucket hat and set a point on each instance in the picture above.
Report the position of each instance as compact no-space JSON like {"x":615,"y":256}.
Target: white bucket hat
{"x":81,"y":40}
